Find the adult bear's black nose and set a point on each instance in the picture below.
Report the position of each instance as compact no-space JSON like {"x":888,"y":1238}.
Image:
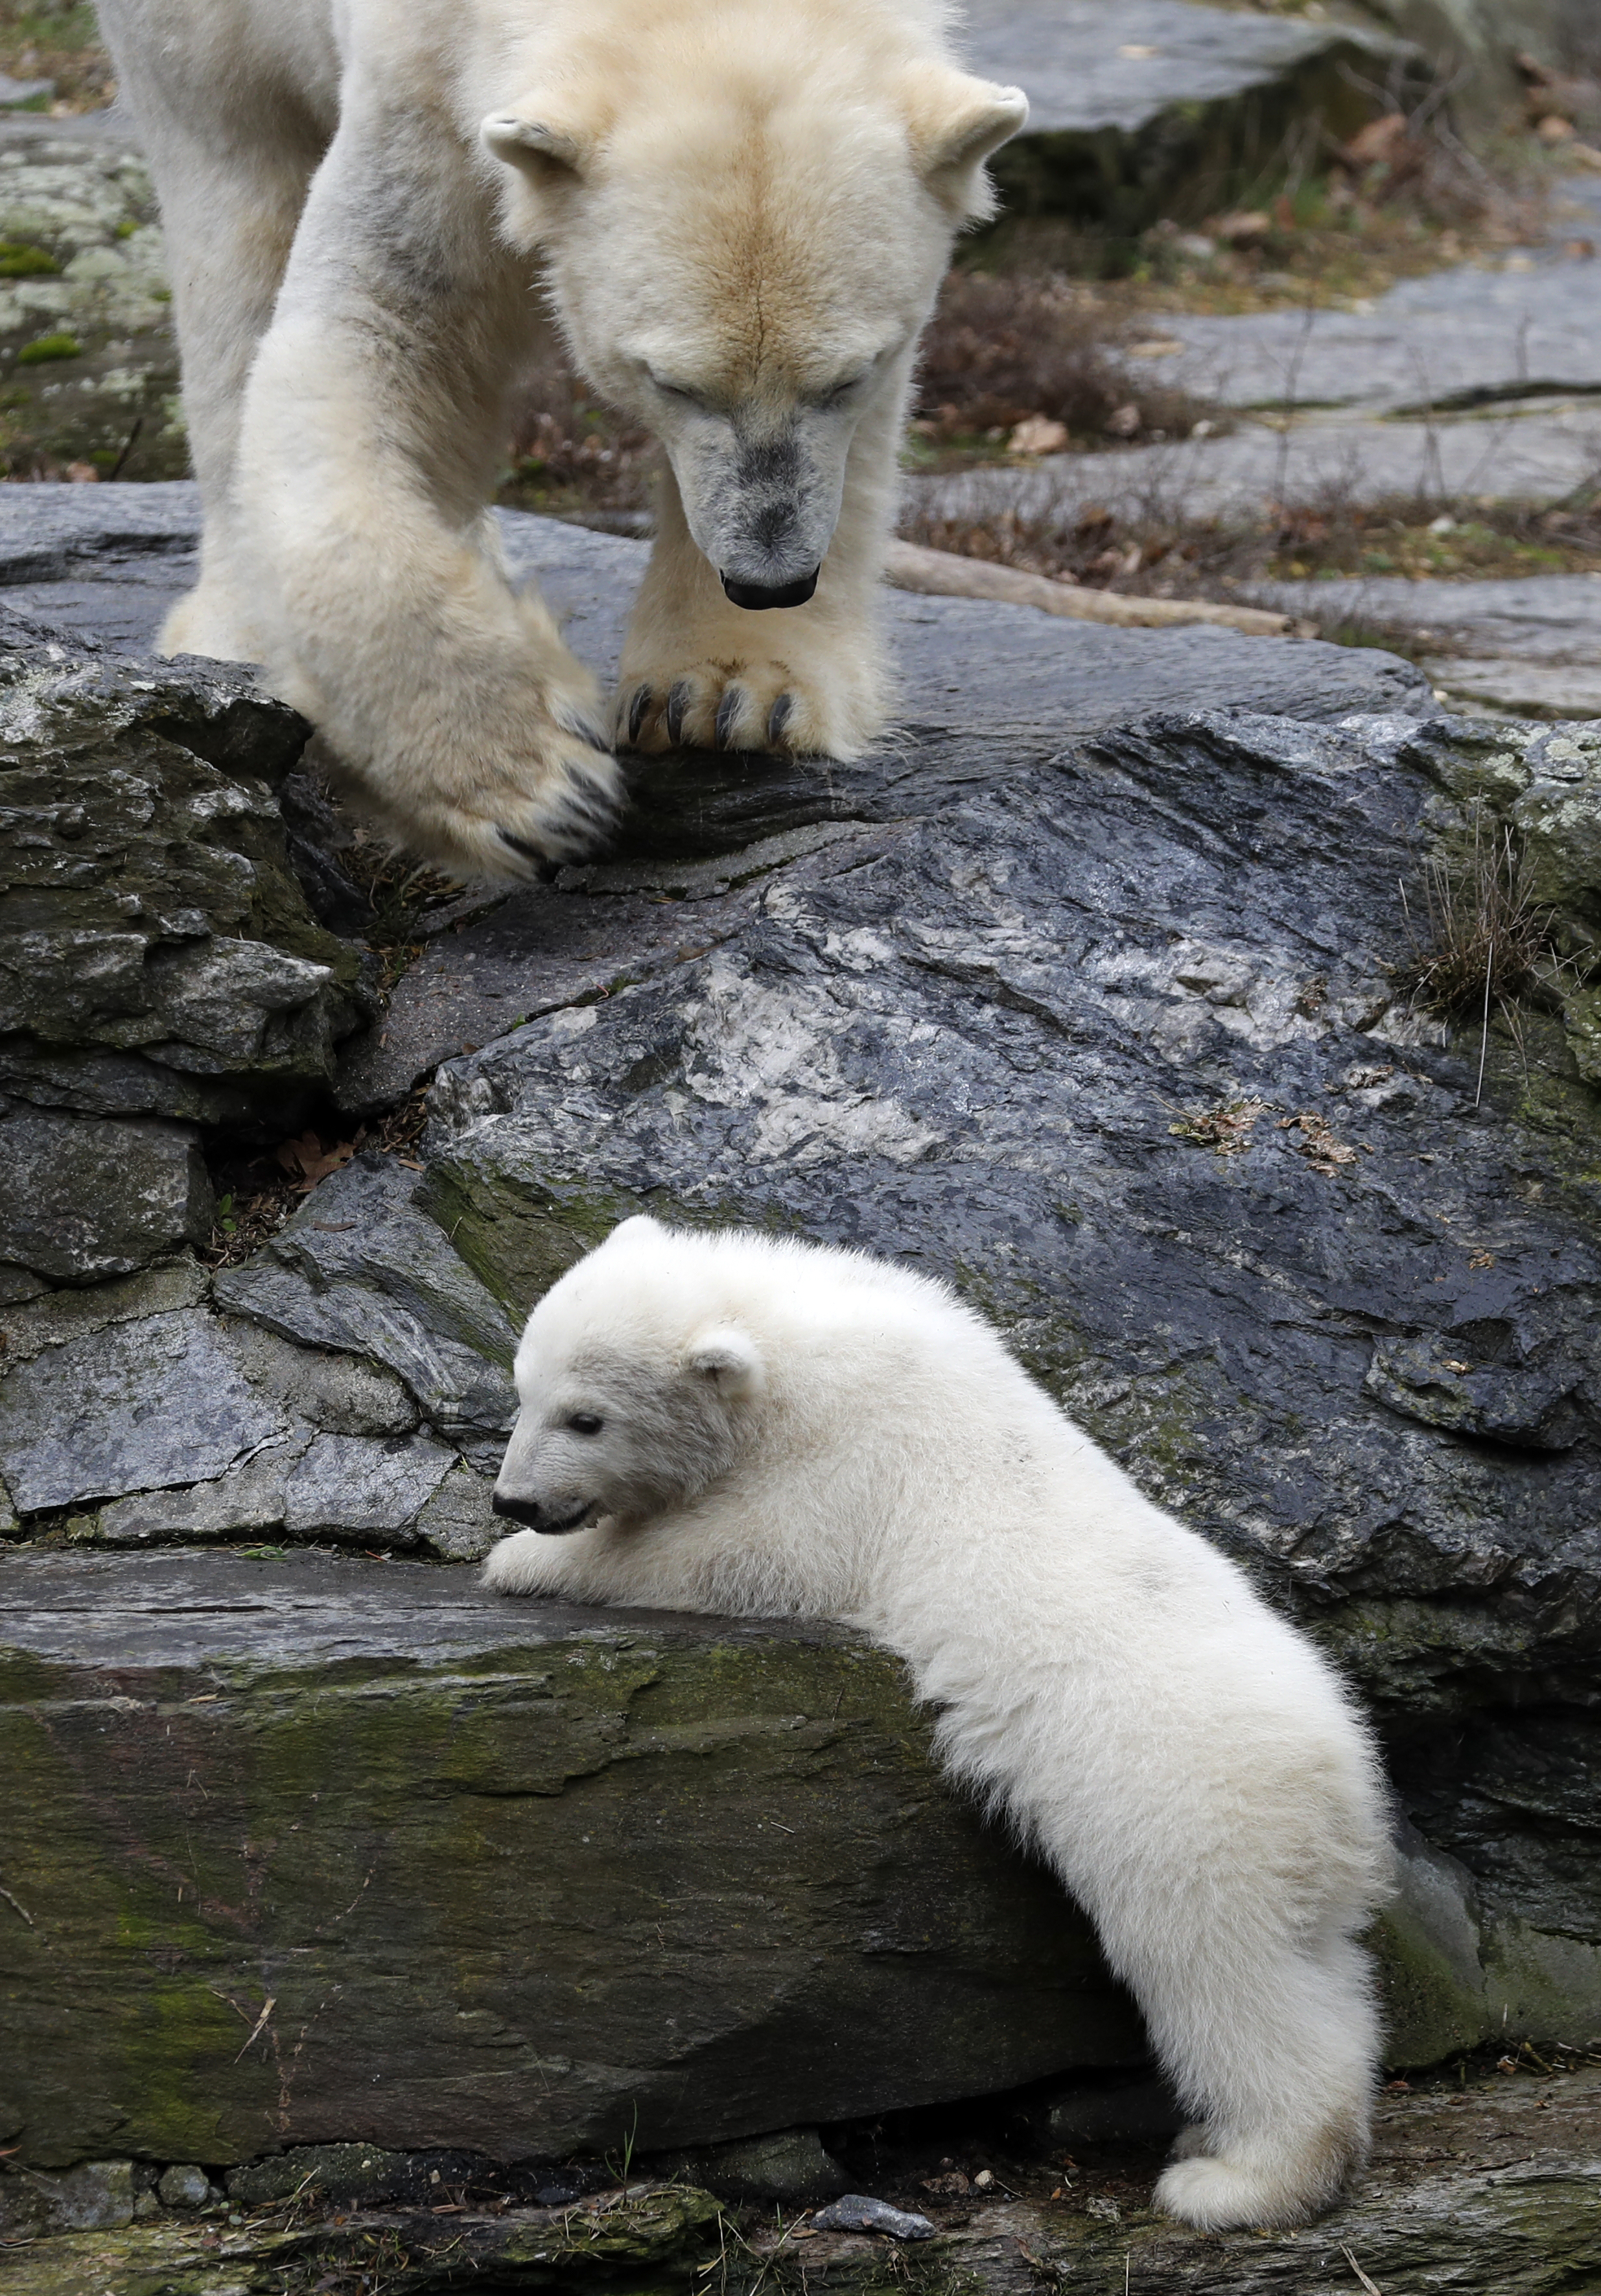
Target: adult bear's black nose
{"x":755,"y":597}
{"x":528,"y":1510}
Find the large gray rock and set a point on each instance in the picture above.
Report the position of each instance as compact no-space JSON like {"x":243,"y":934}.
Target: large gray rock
{"x":82,"y":1198}
{"x":136,"y":1407}
{"x":1158,"y":104}
{"x":157,"y":954}
{"x":1107,"y":1033}
{"x":362,"y":1269}
{"x":519,"y":1879}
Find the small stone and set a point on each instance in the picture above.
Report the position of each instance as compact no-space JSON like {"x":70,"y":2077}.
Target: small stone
{"x":458,"y":1521}
{"x":791,"y":2167}
{"x":363,"y":1486}
{"x":1037,"y":434}
{"x":856,"y":2212}
{"x":137,"y":1408}
{"x":84,"y":1197}
{"x":184,"y":2186}
{"x":95,"y":2196}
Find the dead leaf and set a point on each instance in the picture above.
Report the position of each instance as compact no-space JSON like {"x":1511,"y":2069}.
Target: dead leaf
{"x":306,"y":1161}
{"x":1376,"y":144}
{"x":1318,"y":1144}
{"x":1037,"y":434}
{"x":1480,"y":1259}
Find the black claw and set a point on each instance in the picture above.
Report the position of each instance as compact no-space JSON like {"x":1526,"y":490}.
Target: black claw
{"x":727,"y":710}
{"x":677,"y":702}
{"x":545,"y":867}
{"x":779,"y":715}
{"x":637,"y":709}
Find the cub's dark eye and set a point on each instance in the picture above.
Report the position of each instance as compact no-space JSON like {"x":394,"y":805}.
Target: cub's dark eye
{"x":586,"y":1422}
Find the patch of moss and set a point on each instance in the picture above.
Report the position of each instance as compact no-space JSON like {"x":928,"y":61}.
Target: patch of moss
{"x":45,"y":348}
{"x":18,"y":260}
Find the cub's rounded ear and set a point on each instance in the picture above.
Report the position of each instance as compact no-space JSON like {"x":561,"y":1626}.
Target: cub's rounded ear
{"x":727,"y":1360}
{"x":538,"y":146}
{"x":955,"y":122}
{"x":636,"y":1230}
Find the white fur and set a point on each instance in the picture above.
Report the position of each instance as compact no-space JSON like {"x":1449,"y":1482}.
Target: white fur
{"x":740,"y":211}
{"x":791,"y":1429}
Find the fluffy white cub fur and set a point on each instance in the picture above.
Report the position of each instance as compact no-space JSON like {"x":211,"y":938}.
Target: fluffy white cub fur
{"x":739,"y":212}
{"x":726,"y":1422}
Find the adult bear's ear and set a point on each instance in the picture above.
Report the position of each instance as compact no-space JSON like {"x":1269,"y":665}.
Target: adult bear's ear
{"x":727,"y":1360}
{"x":542,"y":148}
{"x":954,"y":123}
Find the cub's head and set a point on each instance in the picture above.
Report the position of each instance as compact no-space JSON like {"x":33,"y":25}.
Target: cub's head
{"x":745,"y":215}
{"x":635,"y":1393}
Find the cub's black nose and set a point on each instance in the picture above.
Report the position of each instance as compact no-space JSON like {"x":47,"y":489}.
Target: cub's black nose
{"x":526,"y":1511}
{"x":756,"y":598}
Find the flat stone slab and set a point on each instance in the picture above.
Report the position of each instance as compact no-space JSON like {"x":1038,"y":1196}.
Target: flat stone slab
{"x":1498,"y":455}
{"x":1456,"y":337}
{"x":305,"y":1850}
{"x":1087,"y":68}
{"x":1530,"y":645}
{"x":65,"y":559}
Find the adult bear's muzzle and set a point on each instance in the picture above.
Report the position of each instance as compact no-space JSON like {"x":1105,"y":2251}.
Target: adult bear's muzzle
{"x":755,"y":597}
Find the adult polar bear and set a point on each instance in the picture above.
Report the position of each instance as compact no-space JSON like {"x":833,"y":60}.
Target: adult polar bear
{"x":728,"y":1422}
{"x":742,"y":211}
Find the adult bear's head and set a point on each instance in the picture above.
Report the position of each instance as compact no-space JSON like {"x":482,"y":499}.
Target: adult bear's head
{"x":745,"y":210}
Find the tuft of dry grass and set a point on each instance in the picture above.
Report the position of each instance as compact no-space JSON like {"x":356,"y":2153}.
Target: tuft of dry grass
{"x":1484,"y":939}
{"x":1001,"y":352}
{"x":60,"y":44}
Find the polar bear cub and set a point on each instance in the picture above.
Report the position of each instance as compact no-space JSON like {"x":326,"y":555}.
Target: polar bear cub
{"x":727,"y":1422}
{"x":738,"y":212}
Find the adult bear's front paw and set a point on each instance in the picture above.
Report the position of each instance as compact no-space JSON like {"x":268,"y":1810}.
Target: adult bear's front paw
{"x":558,"y":800}
{"x":818,"y":708}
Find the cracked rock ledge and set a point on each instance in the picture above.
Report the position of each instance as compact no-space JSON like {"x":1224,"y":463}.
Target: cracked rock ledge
{"x":1090,"y":1007}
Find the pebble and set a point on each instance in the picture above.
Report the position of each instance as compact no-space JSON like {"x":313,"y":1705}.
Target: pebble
{"x":856,"y":2212}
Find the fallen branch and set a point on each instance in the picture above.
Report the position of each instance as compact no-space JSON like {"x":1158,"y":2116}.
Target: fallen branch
{"x":943,"y":574}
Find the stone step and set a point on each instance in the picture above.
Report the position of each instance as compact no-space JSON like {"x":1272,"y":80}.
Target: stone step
{"x":300,"y":1849}
{"x":1159,"y":107}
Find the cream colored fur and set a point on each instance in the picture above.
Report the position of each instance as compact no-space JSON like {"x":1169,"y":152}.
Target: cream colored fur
{"x":739,"y":212}
{"x":788,"y":1429}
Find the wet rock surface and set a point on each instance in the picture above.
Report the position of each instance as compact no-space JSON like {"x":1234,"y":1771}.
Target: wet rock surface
{"x":656,"y":1870}
{"x":1082,"y":996}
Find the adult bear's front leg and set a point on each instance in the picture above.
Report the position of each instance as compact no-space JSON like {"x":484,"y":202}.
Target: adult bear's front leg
{"x":372,"y":427}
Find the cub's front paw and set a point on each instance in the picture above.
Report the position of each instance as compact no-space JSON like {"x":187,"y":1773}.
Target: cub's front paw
{"x":819,"y":702}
